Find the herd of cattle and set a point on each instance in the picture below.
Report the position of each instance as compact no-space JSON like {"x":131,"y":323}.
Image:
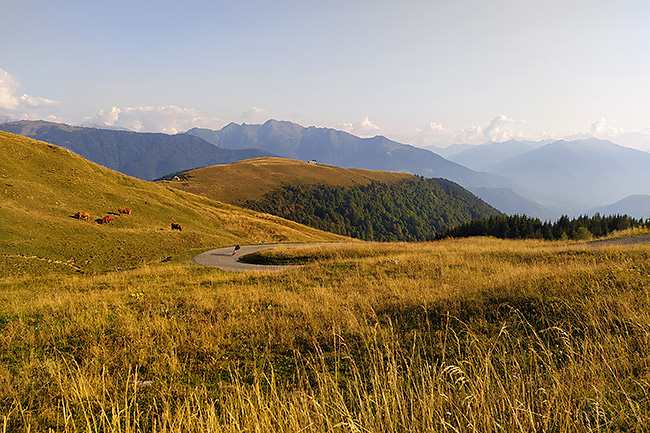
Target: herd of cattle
{"x":109,"y":218}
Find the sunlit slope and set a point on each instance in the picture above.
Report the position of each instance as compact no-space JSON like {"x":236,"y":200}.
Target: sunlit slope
{"x":252,"y":178}
{"x":42,"y":186}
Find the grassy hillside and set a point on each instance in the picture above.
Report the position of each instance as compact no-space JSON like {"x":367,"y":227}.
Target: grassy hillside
{"x":42,"y":186}
{"x":458,"y":335}
{"x":368,"y":205}
{"x":250,"y":179}
{"x":146,"y":156}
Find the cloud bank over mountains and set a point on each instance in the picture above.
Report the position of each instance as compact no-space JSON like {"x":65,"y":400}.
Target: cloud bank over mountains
{"x":172,"y":119}
{"x":254,"y":114}
{"x":364,"y":128}
{"x":169,"y":119}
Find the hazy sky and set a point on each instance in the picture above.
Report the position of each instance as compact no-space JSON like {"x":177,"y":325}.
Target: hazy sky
{"x":420,"y":72}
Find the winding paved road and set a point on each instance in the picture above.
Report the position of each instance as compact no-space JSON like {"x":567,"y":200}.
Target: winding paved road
{"x":224,"y":258}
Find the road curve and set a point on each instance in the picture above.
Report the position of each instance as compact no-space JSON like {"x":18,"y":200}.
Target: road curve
{"x":223,"y":258}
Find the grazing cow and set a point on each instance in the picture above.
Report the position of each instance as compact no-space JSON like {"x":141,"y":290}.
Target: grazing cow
{"x":177,"y":227}
{"x":125,"y":211}
{"x":82,"y":216}
{"x":107,"y":219}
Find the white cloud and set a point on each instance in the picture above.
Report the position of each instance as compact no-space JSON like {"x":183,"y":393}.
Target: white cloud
{"x":254,"y":114}
{"x":603,"y":130}
{"x":36,"y":101}
{"x":347,"y":127}
{"x":107,"y":118}
{"x":471,"y":135}
{"x":363,"y":128}
{"x":436,"y":127}
{"x":367,"y":125}
{"x":22,"y":107}
{"x":503,"y":128}
{"x":169,"y":119}
{"x":432,"y":134}
{"x":8,"y":87}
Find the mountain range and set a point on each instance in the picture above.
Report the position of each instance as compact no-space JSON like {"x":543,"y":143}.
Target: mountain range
{"x":545,"y":180}
{"x":339,"y":148}
{"x":146,"y":156}
{"x":330,"y":146}
{"x":484,"y":156}
{"x":636,"y":206}
{"x":540,"y":179}
{"x":569,"y":177}
{"x":153,"y":156}
{"x":577,"y":175}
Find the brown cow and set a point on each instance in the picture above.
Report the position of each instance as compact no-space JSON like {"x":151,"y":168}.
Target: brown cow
{"x":82,"y":216}
{"x":177,"y":227}
{"x":107,"y":219}
{"x":125,"y":211}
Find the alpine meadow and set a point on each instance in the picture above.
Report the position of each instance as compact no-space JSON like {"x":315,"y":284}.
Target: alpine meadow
{"x":325,"y":216}
{"x":112,"y":327}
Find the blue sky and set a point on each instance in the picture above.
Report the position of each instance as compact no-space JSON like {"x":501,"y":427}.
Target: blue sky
{"x":420,"y":72}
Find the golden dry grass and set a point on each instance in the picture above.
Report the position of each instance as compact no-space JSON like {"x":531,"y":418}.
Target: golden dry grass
{"x":42,"y":186}
{"x":250,"y":179}
{"x":459,"y":335}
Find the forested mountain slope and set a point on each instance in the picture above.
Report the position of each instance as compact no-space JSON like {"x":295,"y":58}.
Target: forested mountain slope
{"x":408,"y":210}
{"x":365,"y":204}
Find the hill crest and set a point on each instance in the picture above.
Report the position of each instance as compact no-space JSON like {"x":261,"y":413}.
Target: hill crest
{"x":250,"y":179}
{"x":366,"y":204}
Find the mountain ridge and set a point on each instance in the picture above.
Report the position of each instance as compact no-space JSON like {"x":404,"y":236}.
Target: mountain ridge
{"x":250,"y":179}
{"x":145,"y":156}
{"x":483,"y":156}
{"x":344,"y":150}
{"x":636,"y":205}
{"x":593,"y":172}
